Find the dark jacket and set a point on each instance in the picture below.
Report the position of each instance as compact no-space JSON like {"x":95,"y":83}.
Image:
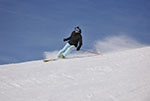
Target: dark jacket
{"x":74,"y":39}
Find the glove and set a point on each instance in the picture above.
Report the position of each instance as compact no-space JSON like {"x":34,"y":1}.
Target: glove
{"x":78,"y":49}
{"x":65,"y":40}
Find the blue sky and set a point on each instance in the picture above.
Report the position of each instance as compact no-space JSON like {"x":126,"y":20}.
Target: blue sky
{"x":28,"y":28}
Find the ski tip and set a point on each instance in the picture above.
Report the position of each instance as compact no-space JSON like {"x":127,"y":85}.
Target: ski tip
{"x":49,"y":60}
{"x":45,"y":60}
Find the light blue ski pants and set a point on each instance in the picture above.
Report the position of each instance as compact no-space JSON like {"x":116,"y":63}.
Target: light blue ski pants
{"x":66,"y":50}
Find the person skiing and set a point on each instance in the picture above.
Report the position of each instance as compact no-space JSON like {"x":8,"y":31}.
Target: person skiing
{"x":74,"y":41}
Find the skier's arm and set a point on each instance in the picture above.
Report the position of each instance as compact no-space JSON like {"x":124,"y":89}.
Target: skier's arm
{"x":80,"y":44}
{"x":65,"y":39}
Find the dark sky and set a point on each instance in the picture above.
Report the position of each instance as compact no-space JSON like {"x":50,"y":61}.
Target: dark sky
{"x":28,"y":28}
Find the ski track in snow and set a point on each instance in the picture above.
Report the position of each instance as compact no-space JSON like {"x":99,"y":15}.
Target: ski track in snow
{"x":117,"y":76}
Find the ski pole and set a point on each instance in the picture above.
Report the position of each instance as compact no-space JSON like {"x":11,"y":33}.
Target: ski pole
{"x":91,"y":52}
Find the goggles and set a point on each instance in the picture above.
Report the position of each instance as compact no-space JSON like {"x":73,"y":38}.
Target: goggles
{"x":77,"y":29}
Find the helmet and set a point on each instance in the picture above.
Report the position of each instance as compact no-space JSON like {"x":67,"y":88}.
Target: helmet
{"x":77,"y":28}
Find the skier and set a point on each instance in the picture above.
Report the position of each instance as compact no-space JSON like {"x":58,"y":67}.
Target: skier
{"x":72,"y":43}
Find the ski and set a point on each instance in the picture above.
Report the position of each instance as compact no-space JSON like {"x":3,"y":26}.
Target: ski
{"x":47,"y":60}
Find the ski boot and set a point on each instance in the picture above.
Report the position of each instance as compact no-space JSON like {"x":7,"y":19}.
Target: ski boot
{"x":62,"y":57}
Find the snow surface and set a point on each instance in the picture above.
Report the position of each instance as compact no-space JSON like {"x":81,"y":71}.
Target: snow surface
{"x":117,"y":76}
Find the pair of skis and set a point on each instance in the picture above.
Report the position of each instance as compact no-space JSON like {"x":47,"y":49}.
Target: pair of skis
{"x":48,"y":60}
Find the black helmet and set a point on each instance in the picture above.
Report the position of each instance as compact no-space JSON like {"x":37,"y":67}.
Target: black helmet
{"x":77,"y":28}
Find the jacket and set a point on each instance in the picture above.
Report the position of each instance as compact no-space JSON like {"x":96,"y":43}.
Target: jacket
{"x":74,"y":39}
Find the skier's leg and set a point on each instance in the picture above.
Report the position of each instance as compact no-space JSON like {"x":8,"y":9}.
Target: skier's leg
{"x":60,"y":53}
{"x":68,"y":50}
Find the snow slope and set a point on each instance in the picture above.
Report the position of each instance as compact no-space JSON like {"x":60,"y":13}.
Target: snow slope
{"x":120,"y":76}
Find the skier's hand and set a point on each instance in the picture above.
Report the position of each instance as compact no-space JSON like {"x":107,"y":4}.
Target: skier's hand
{"x":78,"y":49}
{"x":64,"y":39}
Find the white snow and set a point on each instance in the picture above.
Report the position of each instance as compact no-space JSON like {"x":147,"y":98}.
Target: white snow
{"x":117,"y":76}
